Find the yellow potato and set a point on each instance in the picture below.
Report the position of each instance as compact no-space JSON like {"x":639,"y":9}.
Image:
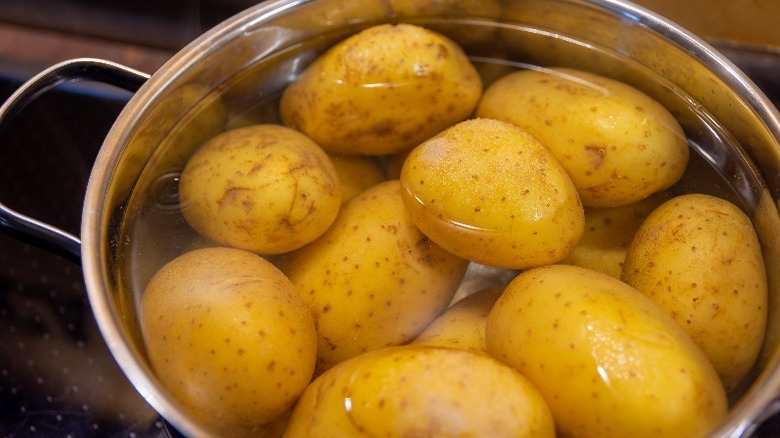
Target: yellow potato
{"x":608,"y":360}
{"x":372,"y":280}
{"x":421,"y":391}
{"x":490,"y":72}
{"x":263,"y":188}
{"x":394,"y":163}
{"x":382,"y":91}
{"x":356,"y":173}
{"x":466,"y":36}
{"x":699,"y":258}
{"x":462,"y":325}
{"x":229,"y":337}
{"x":179,"y":123}
{"x":200,"y":114}
{"x":489,"y":192}
{"x":617,"y":143}
{"x":608,"y":233}
{"x":453,"y":8}
{"x":319,"y":18}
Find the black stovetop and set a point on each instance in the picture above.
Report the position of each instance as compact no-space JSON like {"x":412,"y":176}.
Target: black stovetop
{"x":57,"y":377}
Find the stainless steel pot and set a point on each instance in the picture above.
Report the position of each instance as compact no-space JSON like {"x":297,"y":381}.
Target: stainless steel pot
{"x":233,"y":74}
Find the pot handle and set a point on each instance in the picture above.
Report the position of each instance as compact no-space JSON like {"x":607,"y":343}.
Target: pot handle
{"x":24,"y":227}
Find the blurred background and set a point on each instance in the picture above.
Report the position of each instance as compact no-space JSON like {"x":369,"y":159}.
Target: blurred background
{"x":56,"y":376}
{"x":144,"y":33}
{"x":141,"y":34}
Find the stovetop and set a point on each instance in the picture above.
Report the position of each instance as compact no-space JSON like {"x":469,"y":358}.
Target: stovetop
{"x":57,"y":377}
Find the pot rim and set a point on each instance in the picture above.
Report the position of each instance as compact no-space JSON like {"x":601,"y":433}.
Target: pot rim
{"x":95,"y":249}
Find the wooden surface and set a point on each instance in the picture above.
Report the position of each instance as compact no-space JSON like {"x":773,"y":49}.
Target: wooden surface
{"x":25,"y":51}
{"x":752,"y":22}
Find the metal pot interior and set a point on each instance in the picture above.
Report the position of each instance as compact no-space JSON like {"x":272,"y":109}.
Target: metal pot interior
{"x":233,"y":75}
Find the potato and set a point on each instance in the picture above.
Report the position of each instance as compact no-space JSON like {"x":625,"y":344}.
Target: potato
{"x":394,"y":163}
{"x":607,"y":359}
{"x":373,"y":279}
{"x":356,"y":173}
{"x":382,"y":91}
{"x":466,"y":36}
{"x":262,"y":188}
{"x":229,"y":337}
{"x":608,"y":233}
{"x":489,"y":192}
{"x":421,"y":391}
{"x":179,"y":123}
{"x":452,"y":8}
{"x":199,"y":113}
{"x":698,"y":257}
{"x":320,"y":18}
{"x":617,"y":144}
{"x":462,"y":325}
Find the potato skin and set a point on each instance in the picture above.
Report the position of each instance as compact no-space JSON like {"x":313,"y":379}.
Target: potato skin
{"x":608,"y":234}
{"x":466,"y":36}
{"x":608,"y":360}
{"x":262,"y":188}
{"x":412,"y":8}
{"x":699,"y":258}
{"x":462,"y":325}
{"x":489,"y":192}
{"x":223,"y":324}
{"x":181,"y":122}
{"x":373,"y":279}
{"x":618,"y":144}
{"x":421,"y":391}
{"x":356,"y":173}
{"x":381,"y":91}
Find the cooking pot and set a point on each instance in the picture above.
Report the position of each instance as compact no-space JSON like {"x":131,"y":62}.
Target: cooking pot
{"x":233,"y":74}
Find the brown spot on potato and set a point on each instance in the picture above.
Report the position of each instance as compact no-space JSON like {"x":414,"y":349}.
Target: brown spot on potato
{"x":596,"y":155}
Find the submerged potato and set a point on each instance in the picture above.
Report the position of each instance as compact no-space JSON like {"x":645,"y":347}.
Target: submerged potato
{"x":263,"y":188}
{"x":373,"y":279}
{"x":421,"y":391}
{"x":608,"y":234}
{"x":608,"y":360}
{"x":382,"y":91}
{"x":394,"y":163}
{"x":698,"y":256}
{"x":356,"y":173}
{"x":617,"y":144}
{"x":462,"y":325}
{"x":466,"y":36}
{"x":179,"y":123}
{"x":229,"y":337}
{"x":454,"y":8}
{"x":489,"y":192}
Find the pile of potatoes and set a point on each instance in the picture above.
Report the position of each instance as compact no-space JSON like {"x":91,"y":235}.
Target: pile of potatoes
{"x":326,"y":305}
